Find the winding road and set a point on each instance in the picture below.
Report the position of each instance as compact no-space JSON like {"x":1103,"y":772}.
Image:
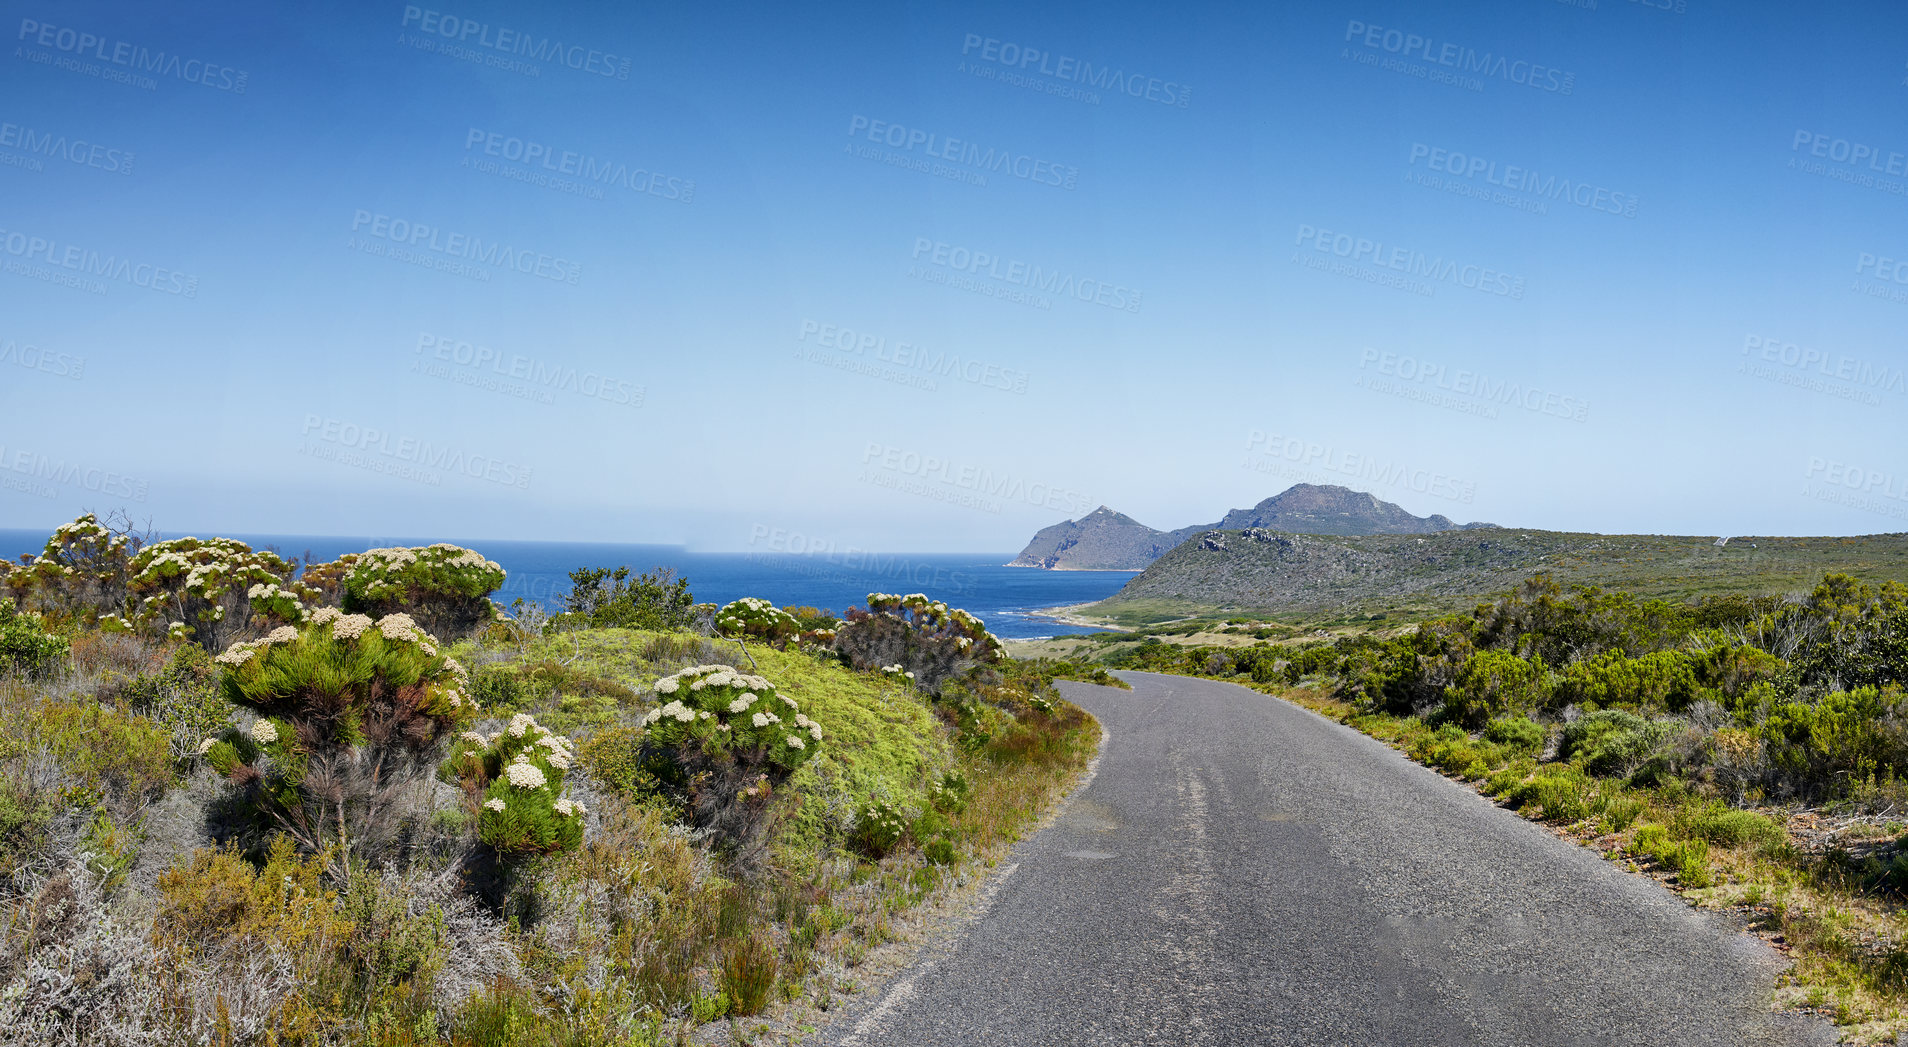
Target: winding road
{"x":1241,"y":871}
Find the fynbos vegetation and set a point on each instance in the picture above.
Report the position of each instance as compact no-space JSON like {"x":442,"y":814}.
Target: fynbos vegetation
{"x":247,"y":801}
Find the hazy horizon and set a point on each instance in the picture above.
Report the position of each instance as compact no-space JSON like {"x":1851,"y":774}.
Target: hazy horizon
{"x":934,"y":280}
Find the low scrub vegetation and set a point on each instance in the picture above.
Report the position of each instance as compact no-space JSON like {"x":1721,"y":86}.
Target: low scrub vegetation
{"x":304,"y":816}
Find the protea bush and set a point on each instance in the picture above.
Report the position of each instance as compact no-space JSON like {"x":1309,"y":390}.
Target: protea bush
{"x":722,"y":743}
{"x":518,"y":772}
{"x":215,"y":590}
{"x":445,"y":587}
{"x":916,"y":638}
{"x":347,"y":712}
{"x":759,"y":619}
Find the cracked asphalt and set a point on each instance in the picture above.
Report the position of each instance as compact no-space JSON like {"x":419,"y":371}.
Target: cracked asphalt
{"x":1241,"y":871}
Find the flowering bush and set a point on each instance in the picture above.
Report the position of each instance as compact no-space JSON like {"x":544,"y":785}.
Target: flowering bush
{"x":751,"y":616}
{"x":85,"y":567}
{"x":348,"y":711}
{"x":519,"y":773}
{"x":950,"y":793}
{"x":917,"y":638}
{"x":879,"y":828}
{"x":722,"y":742}
{"x":445,"y":587}
{"x":218,"y":589}
{"x":322,"y":584}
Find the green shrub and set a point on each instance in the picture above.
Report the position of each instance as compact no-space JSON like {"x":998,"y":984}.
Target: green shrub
{"x":1734,"y":827}
{"x":1843,"y":737}
{"x":445,"y":588}
{"x":499,"y":688}
{"x":1621,"y":753}
{"x":519,"y":773}
{"x":1620,"y":811}
{"x":1582,"y":735}
{"x":1519,"y":733}
{"x":116,"y":757}
{"x":1552,"y":796}
{"x":658,"y":601}
{"x":26,"y":817}
{"x":1656,"y":681}
{"x":1689,"y":859}
{"x":28,"y":648}
{"x":879,"y":828}
{"x":950,"y":793}
{"x":183,"y":696}
{"x":346,"y":709}
{"x":1493,"y":684}
{"x":614,"y":756}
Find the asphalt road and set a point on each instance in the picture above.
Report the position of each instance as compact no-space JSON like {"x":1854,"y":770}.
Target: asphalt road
{"x":1241,"y":871}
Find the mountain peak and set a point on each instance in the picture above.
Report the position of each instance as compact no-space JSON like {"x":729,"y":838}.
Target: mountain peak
{"x":1106,"y":539}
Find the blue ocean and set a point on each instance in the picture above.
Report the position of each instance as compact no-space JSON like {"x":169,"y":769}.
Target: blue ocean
{"x":1006,"y":598}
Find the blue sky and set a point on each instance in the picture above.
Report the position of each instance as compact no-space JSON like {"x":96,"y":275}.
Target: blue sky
{"x":1617,"y":268}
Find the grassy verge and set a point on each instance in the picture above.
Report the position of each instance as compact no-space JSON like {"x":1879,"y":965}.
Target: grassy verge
{"x":1804,"y":880}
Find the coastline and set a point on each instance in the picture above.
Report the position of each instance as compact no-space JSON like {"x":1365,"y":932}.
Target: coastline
{"x":1110,"y":570}
{"x":1066,"y":615}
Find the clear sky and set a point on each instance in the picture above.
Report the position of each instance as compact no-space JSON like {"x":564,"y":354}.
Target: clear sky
{"x":929,"y":277}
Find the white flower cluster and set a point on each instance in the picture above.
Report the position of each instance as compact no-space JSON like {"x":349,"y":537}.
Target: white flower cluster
{"x":806,"y":724}
{"x":206,"y":746}
{"x":570,"y":808}
{"x":403,"y":628}
{"x":523,"y":774}
{"x":494,"y":804}
{"x":897,"y":670}
{"x":264,"y":732}
{"x":350,"y":626}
